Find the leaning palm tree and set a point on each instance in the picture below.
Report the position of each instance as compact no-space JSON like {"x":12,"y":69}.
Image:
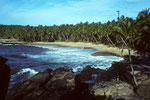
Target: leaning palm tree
{"x":125,"y":29}
{"x":107,"y":32}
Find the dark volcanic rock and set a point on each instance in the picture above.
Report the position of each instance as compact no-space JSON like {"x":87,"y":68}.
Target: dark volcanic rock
{"x":116,"y":83}
{"x":4,"y":77}
{"x":46,"y":85}
{"x":118,"y":71}
{"x":90,"y":70}
{"x":88,"y":73}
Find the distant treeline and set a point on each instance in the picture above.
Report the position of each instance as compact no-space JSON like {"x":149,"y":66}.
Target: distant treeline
{"x":135,"y":32}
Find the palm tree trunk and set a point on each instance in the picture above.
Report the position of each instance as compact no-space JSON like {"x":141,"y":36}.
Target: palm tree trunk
{"x":130,"y":60}
{"x":122,"y":50}
{"x":95,"y":39}
{"x":110,"y":41}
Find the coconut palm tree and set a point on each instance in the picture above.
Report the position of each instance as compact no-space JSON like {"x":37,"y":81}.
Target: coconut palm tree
{"x":107,"y":32}
{"x":142,"y":38}
{"x":125,"y":30}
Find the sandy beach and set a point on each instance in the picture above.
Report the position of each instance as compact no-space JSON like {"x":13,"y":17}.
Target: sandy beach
{"x":104,"y":49}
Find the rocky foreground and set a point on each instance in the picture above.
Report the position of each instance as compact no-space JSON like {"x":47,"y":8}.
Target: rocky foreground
{"x":90,"y":84}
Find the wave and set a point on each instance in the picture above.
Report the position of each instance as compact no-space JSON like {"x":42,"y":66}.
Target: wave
{"x":33,"y":72}
{"x":59,"y":48}
{"x":22,"y":75}
{"x":31,"y":55}
{"x":43,"y":46}
{"x":67,"y":57}
{"x":74,"y":57}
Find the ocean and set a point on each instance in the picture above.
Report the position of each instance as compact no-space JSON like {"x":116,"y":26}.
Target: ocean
{"x":27,"y":60}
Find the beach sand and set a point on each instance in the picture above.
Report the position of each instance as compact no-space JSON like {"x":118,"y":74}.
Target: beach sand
{"x":104,"y":50}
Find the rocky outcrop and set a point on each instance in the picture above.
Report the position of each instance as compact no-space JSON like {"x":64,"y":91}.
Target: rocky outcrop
{"x":89,"y":70}
{"x":63,"y":84}
{"x":141,"y":65}
{"x":46,"y":85}
{"x":121,"y":71}
{"x":4,"y":77}
{"x":90,"y":74}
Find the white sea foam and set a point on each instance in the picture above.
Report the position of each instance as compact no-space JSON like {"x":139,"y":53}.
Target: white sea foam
{"x":45,"y":47}
{"x":76,"y":57}
{"x":31,"y":55}
{"x":31,"y":71}
{"x":78,"y":68}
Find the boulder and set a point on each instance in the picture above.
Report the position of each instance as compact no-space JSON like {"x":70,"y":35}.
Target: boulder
{"x":45,"y":85}
{"x":4,"y":77}
{"x":118,"y":71}
{"x":90,"y":70}
{"x":89,"y":73}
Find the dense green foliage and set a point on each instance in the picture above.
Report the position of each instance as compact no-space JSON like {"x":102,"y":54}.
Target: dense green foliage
{"x":135,"y":32}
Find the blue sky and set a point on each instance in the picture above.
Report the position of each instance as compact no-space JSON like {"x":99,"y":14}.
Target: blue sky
{"x":50,"y":12}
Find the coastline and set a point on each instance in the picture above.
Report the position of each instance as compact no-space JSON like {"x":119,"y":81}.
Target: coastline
{"x":104,"y":50}
{"x":117,"y":79}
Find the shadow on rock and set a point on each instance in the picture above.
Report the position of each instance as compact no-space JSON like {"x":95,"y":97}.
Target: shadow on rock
{"x":81,"y":92}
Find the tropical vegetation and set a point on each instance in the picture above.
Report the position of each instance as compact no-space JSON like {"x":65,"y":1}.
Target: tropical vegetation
{"x":135,"y":32}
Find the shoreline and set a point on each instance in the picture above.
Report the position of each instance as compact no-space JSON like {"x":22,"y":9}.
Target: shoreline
{"x":103,"y":50}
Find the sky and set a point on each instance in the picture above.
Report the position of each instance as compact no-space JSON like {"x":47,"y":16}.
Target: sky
{"x":50,"y":12}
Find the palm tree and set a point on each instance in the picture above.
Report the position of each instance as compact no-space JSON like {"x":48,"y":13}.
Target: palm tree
{"x":125,"y":29}
{"x":107,"y":32}
{"x":142,"y":38}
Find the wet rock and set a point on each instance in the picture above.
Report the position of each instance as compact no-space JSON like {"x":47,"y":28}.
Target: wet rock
{"x":4,"y":77}
{"x":46,"y":85}
{"x":89,"y":73}
{"x":90,"y":70}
